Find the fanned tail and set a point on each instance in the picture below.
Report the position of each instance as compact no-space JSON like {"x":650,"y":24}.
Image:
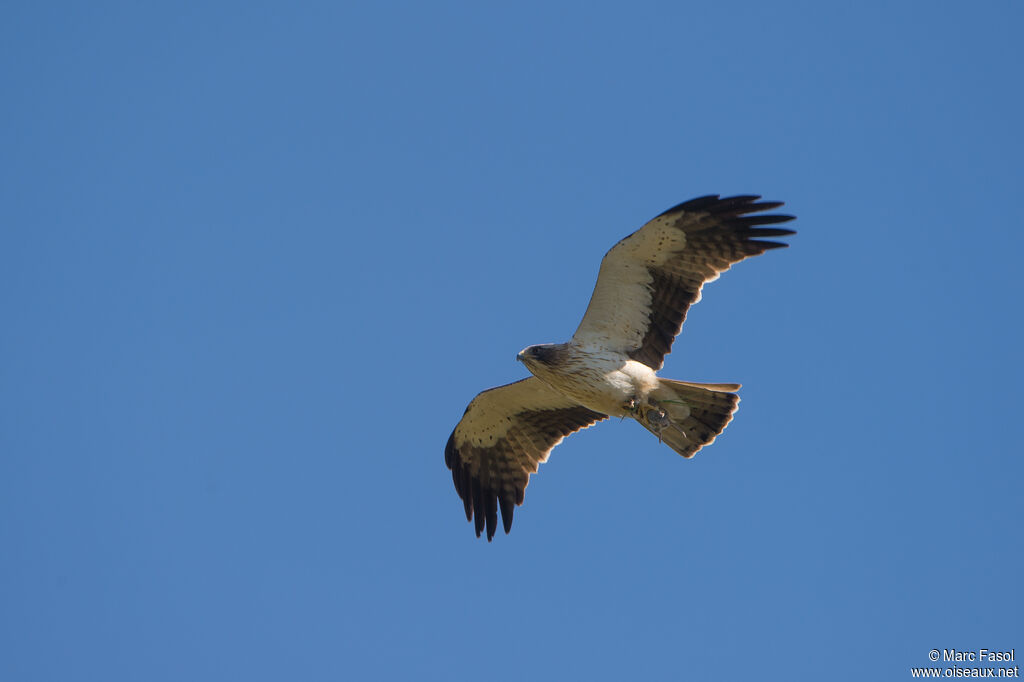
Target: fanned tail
{"x":686,"y":416}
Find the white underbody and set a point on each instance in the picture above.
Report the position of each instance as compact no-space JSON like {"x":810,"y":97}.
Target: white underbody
{"x":599,"y":379}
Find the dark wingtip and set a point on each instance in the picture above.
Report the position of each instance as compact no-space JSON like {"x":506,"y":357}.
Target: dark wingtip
{"x":491,"y":517}
{"x":737,"y":205}
{"x":768,"y":246}
{"x":450,"y":453}
{"x":769,"y":219}
{"x":692,"y":205}
{"x":481,"y":506}
{"x":467,"y":500}
{"x":478,"y":507}
{"x":507,"y":505}
{"x":765,"y":205}
{"x":460,"y":475}
{"x":770,"y":231}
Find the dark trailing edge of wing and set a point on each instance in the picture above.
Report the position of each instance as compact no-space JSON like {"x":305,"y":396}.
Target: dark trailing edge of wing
{"x":483,"y":494}
{"x":728,"y":233}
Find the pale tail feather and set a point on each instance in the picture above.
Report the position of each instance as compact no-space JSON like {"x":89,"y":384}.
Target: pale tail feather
{"x":688,"y":415}
{"x":718,"y":388}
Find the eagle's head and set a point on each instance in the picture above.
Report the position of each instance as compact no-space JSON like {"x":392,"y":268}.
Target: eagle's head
{"x":544,"y":356}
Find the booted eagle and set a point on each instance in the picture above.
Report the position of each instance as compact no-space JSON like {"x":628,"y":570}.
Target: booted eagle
{"x":608,"y":368}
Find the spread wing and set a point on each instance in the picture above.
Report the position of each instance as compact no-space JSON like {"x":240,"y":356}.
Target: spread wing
{"x":649,"y":279}
{"x":502,"y":438}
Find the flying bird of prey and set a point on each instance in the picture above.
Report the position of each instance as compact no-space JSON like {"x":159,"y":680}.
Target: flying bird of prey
{"x":608,"y":368}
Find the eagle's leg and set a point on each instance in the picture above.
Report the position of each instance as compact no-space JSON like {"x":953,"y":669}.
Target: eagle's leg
{"x":630,"y":406}
{"x":657,"y":418}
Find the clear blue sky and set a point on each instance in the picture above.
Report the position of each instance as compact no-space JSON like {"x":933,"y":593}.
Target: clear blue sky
{"x":255,"y":259}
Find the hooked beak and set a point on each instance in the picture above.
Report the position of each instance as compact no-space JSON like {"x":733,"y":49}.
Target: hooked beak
{"x":519,"y":356}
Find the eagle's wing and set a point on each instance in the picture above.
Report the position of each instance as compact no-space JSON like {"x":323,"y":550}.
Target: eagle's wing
{"x":504,"y":435}
{"x":649,"y":279}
